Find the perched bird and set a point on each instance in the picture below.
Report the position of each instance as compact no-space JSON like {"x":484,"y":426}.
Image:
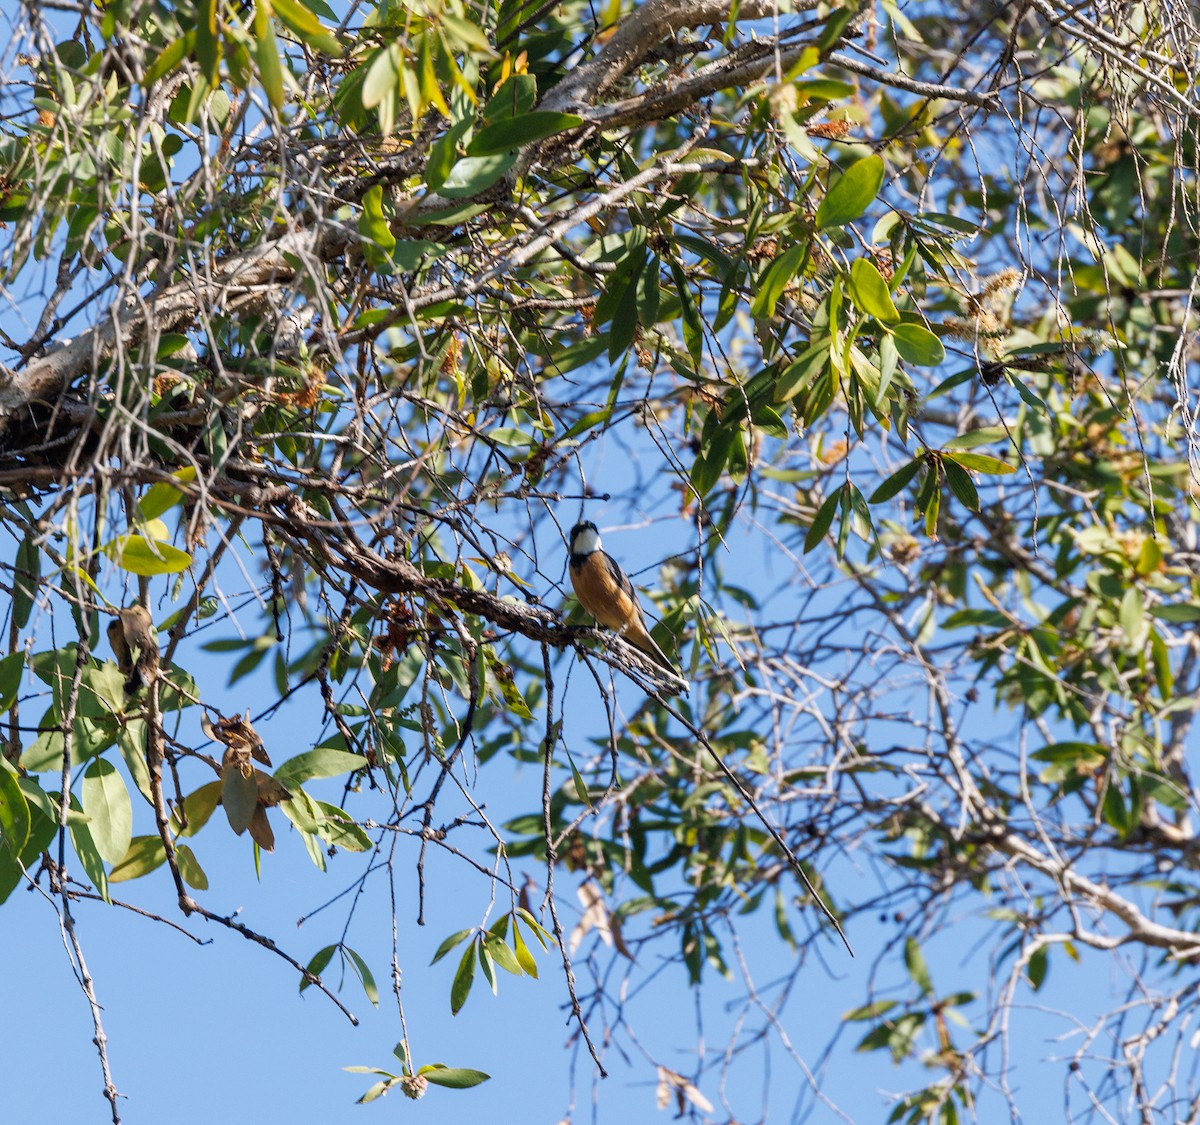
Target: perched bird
{"x":135,"y":646}
{"x":604,"y":590}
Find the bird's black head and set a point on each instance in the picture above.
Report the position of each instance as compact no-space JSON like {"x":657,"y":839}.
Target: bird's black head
{"x":585,"y":538}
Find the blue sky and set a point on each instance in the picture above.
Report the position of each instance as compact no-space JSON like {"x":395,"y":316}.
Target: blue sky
{"x":197,"y":1030}
{"x":196,"y":1027}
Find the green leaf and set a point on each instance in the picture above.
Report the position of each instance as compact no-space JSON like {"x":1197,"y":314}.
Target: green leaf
{"x":1177,"y":614}
{"x":198,"y":806}
{"x":852,"y":193}
{"x":411,"y":254}
{"x":302,"y":23}
{"x":163,"y":496}
{"x":767,"y":419}
{"x":512,"y":438}
{"x":1087,"y":754}
{"x":146,"y":557}
{"x":105,"y":685}
{"x":524,"y":958}
{"x":144,"y":855}
{"x":266,"y":54}
{"x":540,"y":932}
{"x":27,"y":572}
{"x":14,"y":814}
{"x":985,"y":435}
{"x":208,"y":43}
{"x":581,"y":789}
{"x":512,"y":133}
{"x":972,"y":618}
{"x":839,"y":19}
{"x":1115,"y":810}
{"x":106,"y":803}
{"x":624,"y":326}
{"x":914,"y":961}
{"x":317,"y":965}
{"x":467,"y":33}
{"x":932,"y":507}
{"x":383,"y":75}
{"x":870,"y":292}
{"x":444,"y":152}
{"x":981,"y":463}
{"x":302,"y":811}
{"x":456,"y":1078}
{"x":1164,"y":676}
{"x":339,"y":829}
{"x":321,"y":762}
{"x":239,"y":796}
{"x":897,"y":481}
{"x":373,"y":228}
{"x":649,"y":295}
{"x":1133,"y":615}
{"x":170,"y":57}
{"x":708,"y":466}
{"x":961,"y":485}
{"x":12,"y":669}
{"x":918,"y":345}
{"x":378,"y":1090}
{"x":800,"y":373}
{"x":190,"y":869}
{"x":826,"y":89}
{"x":1028,"y":397}
{"x":364,"y":975}
{"x":502,"y":954}
{"x":870,"y":1011}
{"x":463,"y":979}
{"x":43,"y":827}
{"x":693,"y":325}
{"x":449,"y":944}
{"x":474,"y":174}
{"x":1038,"y":964}
{"x":89,"y":856}
{"x":486,"y":964}
{"x":776,"y":279}
{"x":131,"y":742}
{"x":823,"y":520}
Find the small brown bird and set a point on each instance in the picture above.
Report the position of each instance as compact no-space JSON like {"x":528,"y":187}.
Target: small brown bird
{"x":604,"y":590}
{"x":135,"y":646}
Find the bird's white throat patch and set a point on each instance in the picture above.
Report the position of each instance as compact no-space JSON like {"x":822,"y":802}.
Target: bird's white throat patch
{"x":586,"y":541}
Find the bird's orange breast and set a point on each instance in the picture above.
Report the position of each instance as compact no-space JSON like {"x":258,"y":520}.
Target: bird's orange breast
{"x":600,"y":593}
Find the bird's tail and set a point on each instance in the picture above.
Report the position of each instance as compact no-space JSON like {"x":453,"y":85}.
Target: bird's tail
{"x":639,"y":636}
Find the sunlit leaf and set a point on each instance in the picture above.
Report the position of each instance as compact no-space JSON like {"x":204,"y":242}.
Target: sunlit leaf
{"x":464,"y":977}
{"x":147,"y":557}
{"x":321,"y":762}
{"x":918,"y":345}
{"x":14,"y":813}
{"x":190,"y":869}
{"x":851,"y":193}
{"x":456,"y":1078}
{"x":870,"y":292}
{"x":106,"y":802}
{"x":144,"y":855}
{"x":512,"y":133}
{"x":364,"y":975}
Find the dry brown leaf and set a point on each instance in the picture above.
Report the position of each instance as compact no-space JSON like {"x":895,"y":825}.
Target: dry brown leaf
{"x":594,"y":917}
{"x":237,"y":733}
{"x":260,"y":830}
{"x":270,"y":790}
{"x":671,"y":1083}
